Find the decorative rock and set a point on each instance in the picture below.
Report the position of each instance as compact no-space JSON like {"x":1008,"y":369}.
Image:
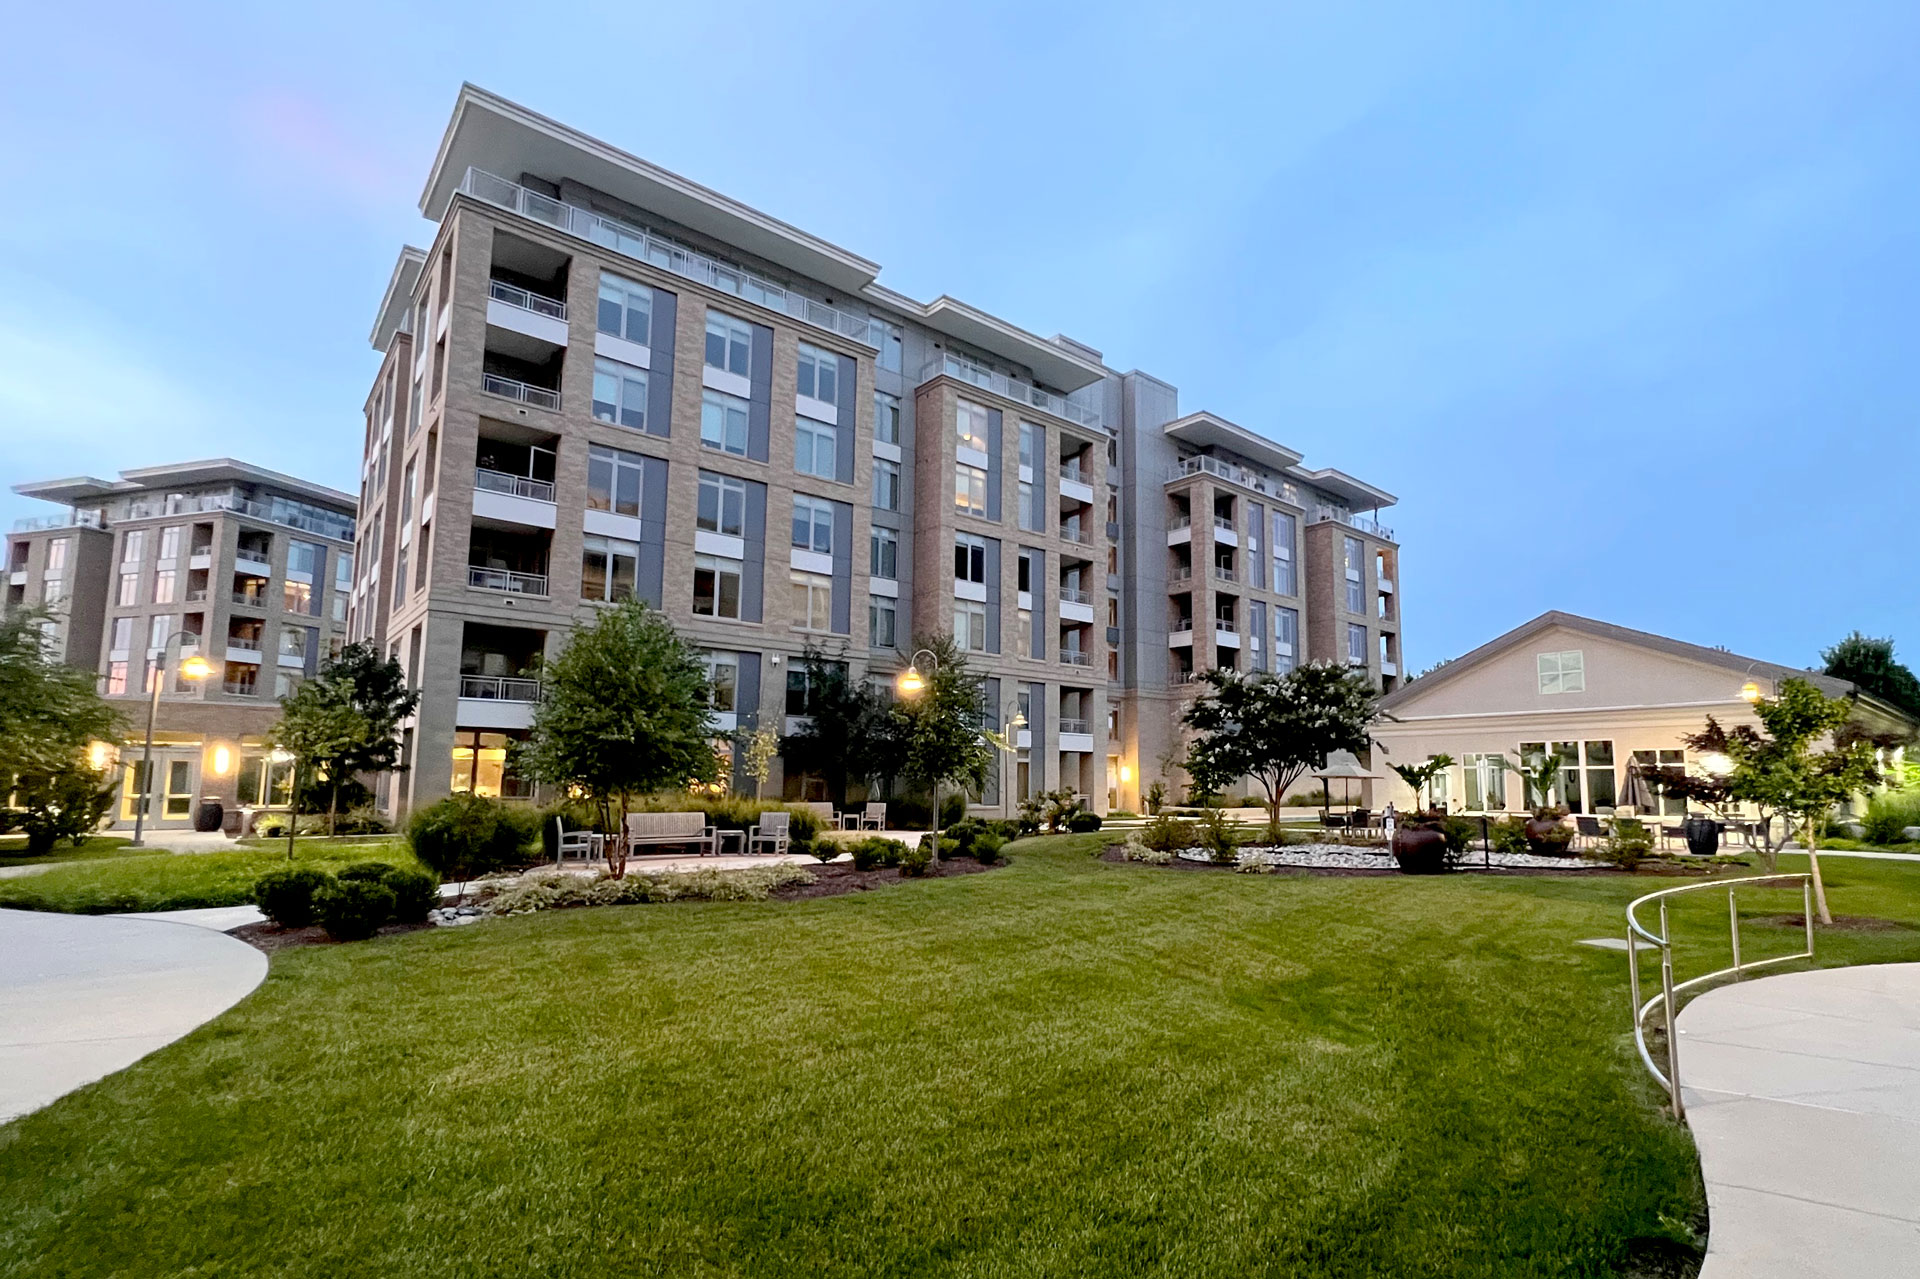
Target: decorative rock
{"x":1341,"y":857}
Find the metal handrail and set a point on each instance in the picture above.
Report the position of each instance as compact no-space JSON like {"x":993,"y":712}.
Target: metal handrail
{"x":518,"y":485}
{"x":1000,"y":384}
{"x":500,"y":688}
{"x":507,"y":580}
{"x":1637,"y":936}
{"x":514,"y":389}
{"x":526,"y":299}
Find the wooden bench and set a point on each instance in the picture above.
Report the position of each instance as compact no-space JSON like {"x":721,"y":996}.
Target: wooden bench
{"x":829,"y":820}
{"x":647,"y":829}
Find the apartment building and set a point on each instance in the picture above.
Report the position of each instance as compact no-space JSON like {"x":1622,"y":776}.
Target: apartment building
{"x":602,"y":380}
{"x":244,"y":566}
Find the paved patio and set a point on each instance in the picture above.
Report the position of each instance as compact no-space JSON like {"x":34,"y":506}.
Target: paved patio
{"x":1803,"y":1093}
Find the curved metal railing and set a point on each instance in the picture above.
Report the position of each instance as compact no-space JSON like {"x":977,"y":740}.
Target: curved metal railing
{"x":1664,"y":1002}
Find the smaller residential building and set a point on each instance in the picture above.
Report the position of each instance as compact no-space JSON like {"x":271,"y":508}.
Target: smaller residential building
{"x":247,"y":567}
{"x":1600,"y":697}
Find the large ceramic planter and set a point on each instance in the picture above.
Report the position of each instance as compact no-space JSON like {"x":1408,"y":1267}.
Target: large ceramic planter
{"x":1545,"y":837}
{"x":1703,"y":836}
{"x":1420,"y":851}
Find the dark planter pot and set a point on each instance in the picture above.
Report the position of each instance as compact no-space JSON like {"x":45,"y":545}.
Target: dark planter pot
{"x":1542,"y":840}
{"x":1420,"y":851}
{"x":209,"y":815}
{"x":1703,"y":836}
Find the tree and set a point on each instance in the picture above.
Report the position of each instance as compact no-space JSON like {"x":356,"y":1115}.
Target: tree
{"x":757,"y":748}
{"x":317,"y":727}
{"x":1870,"y":666}
{"x":625,"y":712}
{"x":847,"y":732}
{"x":1420,"y":776}
{"x":50,"y":714}
{"x":343,"y":721}
{"x":1273,"y":728}
{"x":940,"y":738}
{"x":1783,"y":771}
{"x":376,"y":688}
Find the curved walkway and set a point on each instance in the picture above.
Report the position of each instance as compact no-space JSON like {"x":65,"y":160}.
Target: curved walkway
{"x":1803,"y":1093}
{"x":84,"y":996}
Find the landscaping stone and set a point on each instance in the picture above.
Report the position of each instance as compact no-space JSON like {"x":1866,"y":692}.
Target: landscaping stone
{"x":454,"y":916}
{"x":1341,"y":857}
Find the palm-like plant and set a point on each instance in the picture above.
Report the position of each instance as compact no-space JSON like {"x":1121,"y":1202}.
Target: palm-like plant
{"x":1420,"y":776}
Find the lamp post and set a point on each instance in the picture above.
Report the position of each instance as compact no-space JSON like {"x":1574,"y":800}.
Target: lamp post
{"x":912,"y":684}
{"x":195,"y":667}
{"x":1015,"y":722}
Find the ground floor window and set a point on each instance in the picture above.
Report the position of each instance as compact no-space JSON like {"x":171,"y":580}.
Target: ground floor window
{"x":482,"y":766}
{"x":176,"y":800}
{"x":1486,"y":783}
{"x":1664,"y":805}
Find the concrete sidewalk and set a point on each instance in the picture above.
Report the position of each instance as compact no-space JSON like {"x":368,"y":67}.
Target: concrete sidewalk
{"x":1803,"y":1093}
{"x":86,"y":995}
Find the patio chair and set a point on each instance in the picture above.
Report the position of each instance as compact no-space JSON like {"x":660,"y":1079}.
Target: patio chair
{"x":1588,"y":828}
{"x":829,"y":820}
{"x":1333,"y":821}
{"x":873,"y":817}
{"x":1360,"y":818}
{"x":578,"y":843}
{"x":770,"y":830}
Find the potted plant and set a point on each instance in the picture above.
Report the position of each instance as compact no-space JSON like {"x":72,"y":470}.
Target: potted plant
{"x":1546,"y":837}
{"x":1702,"y":834}
{"x":1419,"y":840}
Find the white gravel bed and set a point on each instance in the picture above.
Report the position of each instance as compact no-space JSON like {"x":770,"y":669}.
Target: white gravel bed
{"x":1343,"y":857}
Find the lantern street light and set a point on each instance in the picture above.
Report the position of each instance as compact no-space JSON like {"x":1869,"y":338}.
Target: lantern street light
{"x":194,"y":668}
{"x":912,"y":684}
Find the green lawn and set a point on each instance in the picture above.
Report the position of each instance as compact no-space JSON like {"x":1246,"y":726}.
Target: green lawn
{"x":13,"y":850}
{"x":137,"y":880}
{"x":1063,"y":1067}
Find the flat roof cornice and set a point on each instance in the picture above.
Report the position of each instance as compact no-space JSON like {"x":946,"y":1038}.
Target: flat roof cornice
{"x":1209,"y":430}
{"x":398,"y":297}
{"x":504,"y":138}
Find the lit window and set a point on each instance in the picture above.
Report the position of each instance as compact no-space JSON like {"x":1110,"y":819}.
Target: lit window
{"x":812,"y":601}
{"x":819,"y":374}
{"x":608,"y":568}
{"x":129,"y":589}
{"x":729,"y":344}
{"x":620,"y":394}
{"x":164,"y":584}
{"x":723,"y":422}
{"x":970,"y":423}
{"x":1563,"y":672}
{"x":970,"y":489}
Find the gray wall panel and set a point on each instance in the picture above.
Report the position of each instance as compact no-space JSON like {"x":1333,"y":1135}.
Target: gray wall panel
{"x":994,"y":551}
{"x":842,"y":568}
{"x":993,"y":464}
{"x":660,"y":374}
{"x":849,"y":407}
{"x":760,"y":401}
{"x":651,"y":572}
{"x":753,"y":574}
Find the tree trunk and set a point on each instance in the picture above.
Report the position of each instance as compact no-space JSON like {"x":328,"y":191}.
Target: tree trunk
{"x":333,"y":806}
{"x":1819,"y":885}
{"x":293,"y":808}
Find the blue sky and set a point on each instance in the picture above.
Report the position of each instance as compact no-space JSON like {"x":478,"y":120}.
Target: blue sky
{"x":1619,"y":299}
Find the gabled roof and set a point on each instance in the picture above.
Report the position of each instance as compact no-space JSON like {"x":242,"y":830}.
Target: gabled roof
{"x":1745,"y":667}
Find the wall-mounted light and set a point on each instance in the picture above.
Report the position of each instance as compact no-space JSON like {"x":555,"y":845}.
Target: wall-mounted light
{"x":1126,"y":774}
{"x":222,"y":761}
{"x":98,"y":754}
{"x":1750,"y":693}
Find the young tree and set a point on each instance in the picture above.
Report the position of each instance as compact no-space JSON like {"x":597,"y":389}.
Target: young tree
{"x":343,"y":721}
{"x":625,"y":712}
{"x":846,"y":730}
{"x":49,"y":715}
{"x":1870,"y":665}
{"x":1784,"y":771}
{"x":318,"y":728}
{"x":939,"y":727}
{"x":757,"y":748}
{"x":1273,"y":728}
{"x":1420,"y":776}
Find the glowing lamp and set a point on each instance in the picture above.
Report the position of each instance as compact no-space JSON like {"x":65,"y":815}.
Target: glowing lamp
{"x":1126,"y":774}
{"x":222,"y":761}
{"x":911,"y":681}
{"x":195,"y":667}
{"x":97,"y":755}
{"x":1717,"y":764}
{"x":1750,"y":692}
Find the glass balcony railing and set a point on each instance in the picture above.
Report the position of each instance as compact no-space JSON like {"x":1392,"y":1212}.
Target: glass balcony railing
{"x":517,"y":485}
{"x":539,"y":396}
{"x":506,"y":581}
{"x":500,"y":688}
{"x":1000,"y":384}
{"x":514,"y":295}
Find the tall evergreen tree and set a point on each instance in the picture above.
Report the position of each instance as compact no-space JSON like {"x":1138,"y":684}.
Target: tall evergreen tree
{"x":1869,"y":664}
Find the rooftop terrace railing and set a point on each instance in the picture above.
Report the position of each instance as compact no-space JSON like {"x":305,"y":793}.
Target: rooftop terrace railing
{"x":1359,"y":523}
{"x":1000,"y":384}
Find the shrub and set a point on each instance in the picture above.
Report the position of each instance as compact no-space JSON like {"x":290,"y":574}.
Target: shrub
{"x":823,"y":850}
{"x":914,"y":861}
{"x":1138,"y":850}
{"x":286,"y":896}
{"x":1459,"y":834}
{"x":464,"y":836}
{"x":415,"y":892}
{"x":1169,"y":834}
{"x":1888,"y":816}
{"x":875,"y":852}
{"x":1155,"y":798}
{"x":558,"y":890}
{"x":353,"y":910}
{"x":1626,"y":846}
{"x":1216,"y":836}
{"x":368,"y":872}
{"x":360,"y":821}
{"x":1083,"y":821}
{"x":986,"y":849}
{"x":1121,"y":815}
{"x":1006,"y":828}
{"x":964,"y":833}
{"x":1508,"y":835}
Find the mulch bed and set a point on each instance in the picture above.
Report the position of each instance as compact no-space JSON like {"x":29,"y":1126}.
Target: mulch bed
{"x":1115,"y":853}
{"x":1845,"y":923}
{"x":831,"y":879}
{"x":272,"y":937}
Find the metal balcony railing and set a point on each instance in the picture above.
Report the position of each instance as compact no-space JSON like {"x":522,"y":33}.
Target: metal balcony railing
{"x":1072,"y":471}
{"x":65,"y":519}
{"x":517,"y":485}
{"x":500,"y":688}
{"x":1180,"y":521}
{"x":526,"y":300}
{"x":538,"y":396}
{"x":1179,"y":576}
{"x":506,"y":580}
{"x":243,"y":644}
{"x":1074,"y":657}
{"x":1224,"y":574}
{"x":645,"y":246}
{"x":248,"y":599}
{"x":1374,"y":528}
{"x":1180,"y":626}
{"x":1074,"y":726}
{"x":1268,"y":485}
{"x":1002,"y":385}
{"x":1074,"y":595}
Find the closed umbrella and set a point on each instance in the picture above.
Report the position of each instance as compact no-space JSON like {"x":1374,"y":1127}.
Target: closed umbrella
{"x":1638,"y":794}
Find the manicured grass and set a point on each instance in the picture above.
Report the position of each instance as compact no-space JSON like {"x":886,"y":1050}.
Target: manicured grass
{"x":13,"y":850}
{"x":1062,"y":1067}
{"x":177,"y":881}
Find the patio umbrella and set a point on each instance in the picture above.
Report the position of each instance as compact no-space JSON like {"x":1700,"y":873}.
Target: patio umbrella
{"x":1638,"y":793}
{"x":1343,"y":767}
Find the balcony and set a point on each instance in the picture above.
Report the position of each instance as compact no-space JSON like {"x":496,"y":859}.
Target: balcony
{"x":1240,"y":475}
{"x":1360,"y":524}
{"x":1074,"y":595}
{"x":539,"y":397}
{"x":506,"y":581}
{"x":1075,"y":606}
{"x":1074,"y":726}
{"x":249,"y":599}
{"x":499,"y":688}
{"x":1182,"y":679}
{"x":643,"y":246}
{"x":1178,"y":576}
{"x":65,"y":519}
{"x":1225,"y":636}
{"x":1386,"y":586}
{"x":1074,"y":657}
{"x":1001,"y":385}
{"x":516,"y":485}
{"x":1179,"y":530}
{"x":1224,"y":532}
{"x":513,"y":499}
{"x":1180,"y":632}
{"x":1075,"y":485}
{"x":515,"y":296}
{"x":522,"y":311}
{"x":1221,"y":574}
{"x":282,"y":511}
{"x":1073,"y":531}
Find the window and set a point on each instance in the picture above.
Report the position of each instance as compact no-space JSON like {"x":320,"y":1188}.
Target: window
{"x":816,"y":448}
{"x":626,"y":309}
{"x":303,"y":558}
{"x":970,"y":489}
{"x":134,"y":547}
{"x":723,"y":422}
{"x":970,"y":626}
{"x":1029,"y":445}
{"x":886,"y":418}
{"x":413,"y":405}
{"x":295,"y":641}
{"x":1565,"y":788}
{"x":608,"y":568}
{"x":969,"y":558}
{"x":1648,"y":762}
{"x":614,"y":480}
{"x":129,"y":590}
{"x":729,"y":344}
{"x":819,"y":374}
{"x":116,"y":678}
{"x":343,"y":570}
{"x":159,"y":631}
{"x":170,"y":543}
{"x":723,"y":681}
{"x":812,"y":524}
{"x":887,"y":338}
{"x":799,"y":685}
{"x":297,"y":597}
{"x":812,"y":601}
{"x":1026,"y":510}
{"x":884,"y":543}
{"x":122,"y":635}
{"x":723,"y":505}
{"x":882,"y":621}
{"x":1356,"y":588}
{"x":1023,"y":633}
{"x":620,"y":394}
{"x":1563,"y":672}
{"x":399,"y":583}
{"x":284,"y":684}
{"x":970,"y":422}
{"x":1284,"y":582}
{"x":1601,"y":782}
{"x":1023,"y":574}
{"x":406,"y":498}
{"x":1356,"y":644}
{"x":165,"y":581}
{"x":716,"y":586}
{"x":1286,"y":639}
{"x":1486,"y":777}
{"x":886,"y":485}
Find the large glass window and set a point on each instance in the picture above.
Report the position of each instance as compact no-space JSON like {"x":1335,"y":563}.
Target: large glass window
{"x":1648,"y":763}
{"x":1486,"y":783}
{"x":1356,"y":644}
{"x":970,"y":423}
{"x":970,"y":625}
{"x":800,"y":688}
{"x":885,"y":546}
{"x":626,"y":309}
{"x":1601,"y":780}
{"x":723,"y":422}
{"x":723,"y":681}
{"x":1026,"y":507}
{"x":609,"y":568}
{"x":1286,"y":639}
{"x":716,"y":586}
{"x":886,"y":485}
{"x":812,"y":524}
{"x":819,"y":374}
{"x":729,"y":344}
{"x":614,"y":480}
{"x":882,"y":621}
{"x":723,"y":505}
{"x":812,"y":601}
{"x":1284,"y":582}
{"x":1029,"y":445}
{"x":1356,"y":587}
{"x":969,"y":558}
{"x":970,"y":489}
{"x":1563,"y":672}
{"x":886,"y":418}
{"x":620,"y":393}
{"x":122,"y":635}
{"x":129,"y":590}
{"x":888,"y":336}
{"x":816,"y":448}
{"x":134,"y":547}
{"x":483,"y":766}
{"x":165,"y":583}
